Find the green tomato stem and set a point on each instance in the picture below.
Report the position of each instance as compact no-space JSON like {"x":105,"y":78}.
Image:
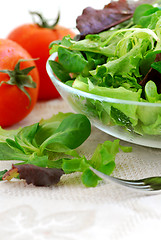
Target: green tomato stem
{"x":44,"y":23}
{"x":20,"y":78}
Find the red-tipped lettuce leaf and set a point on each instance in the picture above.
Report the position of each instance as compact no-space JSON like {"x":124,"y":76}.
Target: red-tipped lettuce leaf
{"x":93,"y":21}
{"x":38,"y":176}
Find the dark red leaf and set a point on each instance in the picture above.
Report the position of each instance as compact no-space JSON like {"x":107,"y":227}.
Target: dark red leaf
{"x":153,"y":75}
{"x":38,"y":176}
{"x":93,"y":21}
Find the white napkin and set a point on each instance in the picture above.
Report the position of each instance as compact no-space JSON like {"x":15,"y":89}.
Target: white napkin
{"x":70,"y":211}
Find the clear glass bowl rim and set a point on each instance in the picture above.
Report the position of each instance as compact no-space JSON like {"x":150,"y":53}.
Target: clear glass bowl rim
{"x":80,"y":93}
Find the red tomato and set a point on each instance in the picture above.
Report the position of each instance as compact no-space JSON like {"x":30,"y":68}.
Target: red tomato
{"x":36,"y":40}
{"x":14,"y":102}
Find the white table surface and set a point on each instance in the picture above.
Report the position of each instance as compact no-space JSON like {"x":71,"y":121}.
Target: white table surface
{"x":70,"y":211}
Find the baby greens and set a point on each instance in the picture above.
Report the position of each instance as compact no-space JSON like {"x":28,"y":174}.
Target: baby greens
{"x":46,"y":150}
{"x":61,"y":133}
{"x":122,"y":63}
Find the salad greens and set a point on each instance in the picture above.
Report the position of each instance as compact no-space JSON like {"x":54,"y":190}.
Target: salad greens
{"x":47,"y":150}
{"x":122,"y":63}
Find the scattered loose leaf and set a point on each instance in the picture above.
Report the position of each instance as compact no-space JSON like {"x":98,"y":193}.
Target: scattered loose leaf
{"x":38,"y":176}
{"x":70,"y":134}
{"x":2,"y":174}
{"x":12,"y":173}
{"x":62,"y":133}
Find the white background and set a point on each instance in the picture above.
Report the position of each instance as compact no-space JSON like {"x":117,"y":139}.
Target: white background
{"x":16,"y":12}
{"x":105,"y":212}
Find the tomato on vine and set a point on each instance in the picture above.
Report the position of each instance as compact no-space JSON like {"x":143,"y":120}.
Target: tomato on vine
{"x":36,"y":38}
{"x":19,"y":83}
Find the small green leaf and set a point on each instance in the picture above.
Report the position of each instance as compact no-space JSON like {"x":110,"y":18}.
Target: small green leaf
{"x":66,"y":41}
{"x":2,"y":174}
{"x":8,"y":153}
{"x":4,"y":134}
{"x":119,"y":117}
{"x":70,"y":134}
{"x":72,"y":165}
{"x":72,"y":153}
{"x":93,"y":37}
{"x":125,"y":149}
{"x":48,"y":127}
{"x":156,"y":181}
{"x":56,"y":42}
{"x":61,"y":73}
{"x":40,"y":161}
{"x":55,"y":163}
{"x":25,"y":138}
{"x":139,"y":12}
{"x":13,"y":144}
{"x":157,"y":66}
{"x":151,"y":93}
{"x":108,"y":168}
{"x":145,"y":63}
{"x":89,"y":178}
{"x":72,"y":61}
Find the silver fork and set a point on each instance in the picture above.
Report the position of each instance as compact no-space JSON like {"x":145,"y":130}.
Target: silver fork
{"x":148,"y":185}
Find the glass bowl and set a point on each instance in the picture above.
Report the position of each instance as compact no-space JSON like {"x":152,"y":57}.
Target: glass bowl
{"x":109,"y":114}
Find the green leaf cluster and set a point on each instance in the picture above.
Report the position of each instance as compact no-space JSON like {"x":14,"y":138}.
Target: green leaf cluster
{"x":52,"y":143}
{"x":103,"y":159}
{"x":112,"y":64}
{"x":32,"y":144}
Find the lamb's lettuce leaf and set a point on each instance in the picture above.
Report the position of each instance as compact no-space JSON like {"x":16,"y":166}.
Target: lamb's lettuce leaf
{"x":44,"y":151}
{"x":103,"y":159}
